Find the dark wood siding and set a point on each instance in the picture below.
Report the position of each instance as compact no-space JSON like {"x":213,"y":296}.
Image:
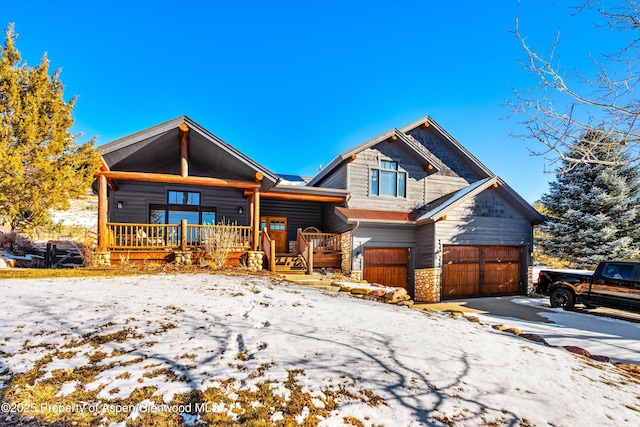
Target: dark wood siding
{"x":299,"y":214}
{"x":137,"y":196}
{"x":471,"y":271}
{"x":331,"y":223}
{"x":387,"y":266}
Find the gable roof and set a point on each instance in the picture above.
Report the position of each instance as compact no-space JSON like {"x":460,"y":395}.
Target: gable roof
{"x":441,"y":207}
{"x":159,"y":143}
{"x":395,"y":134}
{"x":430,"y":122}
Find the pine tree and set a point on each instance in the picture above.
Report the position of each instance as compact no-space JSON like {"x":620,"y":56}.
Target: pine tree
{"x":593,"y":208}
{"x":41,"y":167}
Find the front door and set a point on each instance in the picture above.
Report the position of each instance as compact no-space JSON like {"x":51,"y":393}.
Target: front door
{"x":277,"y":228}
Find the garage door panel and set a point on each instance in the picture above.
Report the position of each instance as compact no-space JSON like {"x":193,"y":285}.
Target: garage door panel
{"x":501,"y":278}
{"x":387,"y":266}
{"x":480,"y":271}
{"x":462,"y":280}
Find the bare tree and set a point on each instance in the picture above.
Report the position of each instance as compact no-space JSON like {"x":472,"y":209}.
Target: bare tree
{"x":565,"y":106}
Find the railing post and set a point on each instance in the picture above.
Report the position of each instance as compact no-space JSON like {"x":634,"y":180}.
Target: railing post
{"x":310,"y":259}
{"x":183,"y":235}
{"x":102,"y":213}
{"x":272,"y":256}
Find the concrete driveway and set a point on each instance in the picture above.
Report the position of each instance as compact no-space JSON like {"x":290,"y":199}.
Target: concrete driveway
{"x":602,"y":331}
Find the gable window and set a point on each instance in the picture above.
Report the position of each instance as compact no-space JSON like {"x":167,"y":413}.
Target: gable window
{"x":388,"y":180}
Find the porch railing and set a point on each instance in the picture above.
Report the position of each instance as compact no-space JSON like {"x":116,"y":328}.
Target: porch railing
{"x":181,"y":236}
{"x":268,"y":246}
{"x":235,"y":237}
{"x":324,"y":242}
{"x":305,"y":249}
{"x":142,"y":236}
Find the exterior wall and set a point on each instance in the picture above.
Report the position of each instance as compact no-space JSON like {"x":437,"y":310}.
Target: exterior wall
{"x":337,"y":178}
{"x":439,"y":184}
{"x":299,"y":214}
{"x":137,"y":196}
{"x":330,"y":221}
{"x":426,"y":246}
{"x":360,"y":171}
{"x":487,"y":219}
{"x":452,"y":162}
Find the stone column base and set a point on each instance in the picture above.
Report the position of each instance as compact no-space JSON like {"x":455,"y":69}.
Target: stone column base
{"x":182,"y":258}
{"x":255,"y":260}
{"x":101,"y":258}
{"x":345,"y":244}
{"x":427,"y":285}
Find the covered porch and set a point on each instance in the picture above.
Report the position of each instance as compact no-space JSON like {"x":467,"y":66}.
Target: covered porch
{"x":177,"y":193}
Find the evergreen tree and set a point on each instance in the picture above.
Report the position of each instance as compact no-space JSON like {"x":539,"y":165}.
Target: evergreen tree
{"x":41,"y":167}
{"x":592,"y":208}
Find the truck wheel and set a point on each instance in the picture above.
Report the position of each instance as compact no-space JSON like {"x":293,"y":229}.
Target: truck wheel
{"x":562,"y":298}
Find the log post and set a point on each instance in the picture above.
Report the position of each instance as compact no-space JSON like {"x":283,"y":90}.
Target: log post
{"x":103,"y":209}
{"x":251,"y":210}
{"x":256,"y":219}
{"x":183,"y":235}
{"x":184,"y":150}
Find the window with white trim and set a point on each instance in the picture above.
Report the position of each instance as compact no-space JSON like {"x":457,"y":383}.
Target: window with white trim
{"x":387,"y":180}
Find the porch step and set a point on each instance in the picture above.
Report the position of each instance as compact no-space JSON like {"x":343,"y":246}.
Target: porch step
{"x":313,"y":280}
{"x":290,"y":264}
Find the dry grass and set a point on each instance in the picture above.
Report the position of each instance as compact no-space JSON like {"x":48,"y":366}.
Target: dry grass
{"x":230,"y":403}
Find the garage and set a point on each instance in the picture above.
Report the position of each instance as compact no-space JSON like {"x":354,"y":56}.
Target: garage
{"x":479,"y":271}
{"x":387,"y":266}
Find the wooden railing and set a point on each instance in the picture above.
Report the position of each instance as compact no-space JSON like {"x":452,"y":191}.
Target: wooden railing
{"x":268,"y":246}
{"x":235,"y":237}
{"x":142,"y":236}
{"x":324,"y":242}
{"x":304,"y":247}
{"x":177,"y":236}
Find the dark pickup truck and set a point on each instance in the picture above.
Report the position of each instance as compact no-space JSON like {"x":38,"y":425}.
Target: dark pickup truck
{"x":613,"y":284}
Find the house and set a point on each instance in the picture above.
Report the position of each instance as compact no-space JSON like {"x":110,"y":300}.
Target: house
{"x":411,"y":208}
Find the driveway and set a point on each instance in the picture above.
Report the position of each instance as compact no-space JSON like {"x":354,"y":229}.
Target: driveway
{"x":605,"y":332}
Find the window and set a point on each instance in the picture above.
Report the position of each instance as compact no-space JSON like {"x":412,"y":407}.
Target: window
{"x":388,"y":181}
{"x":182,"y":205}
{"x":190,"y":198}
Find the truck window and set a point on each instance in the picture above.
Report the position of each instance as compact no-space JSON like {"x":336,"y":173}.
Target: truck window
{"x":618,"y":271}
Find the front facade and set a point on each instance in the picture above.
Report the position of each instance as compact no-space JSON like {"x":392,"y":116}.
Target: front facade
{"x":409,"y":208}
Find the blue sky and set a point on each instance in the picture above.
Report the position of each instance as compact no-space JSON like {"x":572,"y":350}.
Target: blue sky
{"x":294,"y":83}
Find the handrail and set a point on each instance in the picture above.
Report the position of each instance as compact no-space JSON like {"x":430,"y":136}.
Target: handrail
{"x":324,"y":242}
{"x":305,"y":248}
{"x":268,"y":246}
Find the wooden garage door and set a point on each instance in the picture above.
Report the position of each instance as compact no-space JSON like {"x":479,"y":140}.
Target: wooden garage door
{"x":387,"y":266}
{"x":470,"y":271}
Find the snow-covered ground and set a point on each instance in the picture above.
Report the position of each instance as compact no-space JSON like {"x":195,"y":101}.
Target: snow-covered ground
{"x":362,"y":361}
{"x":616,"y":339}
